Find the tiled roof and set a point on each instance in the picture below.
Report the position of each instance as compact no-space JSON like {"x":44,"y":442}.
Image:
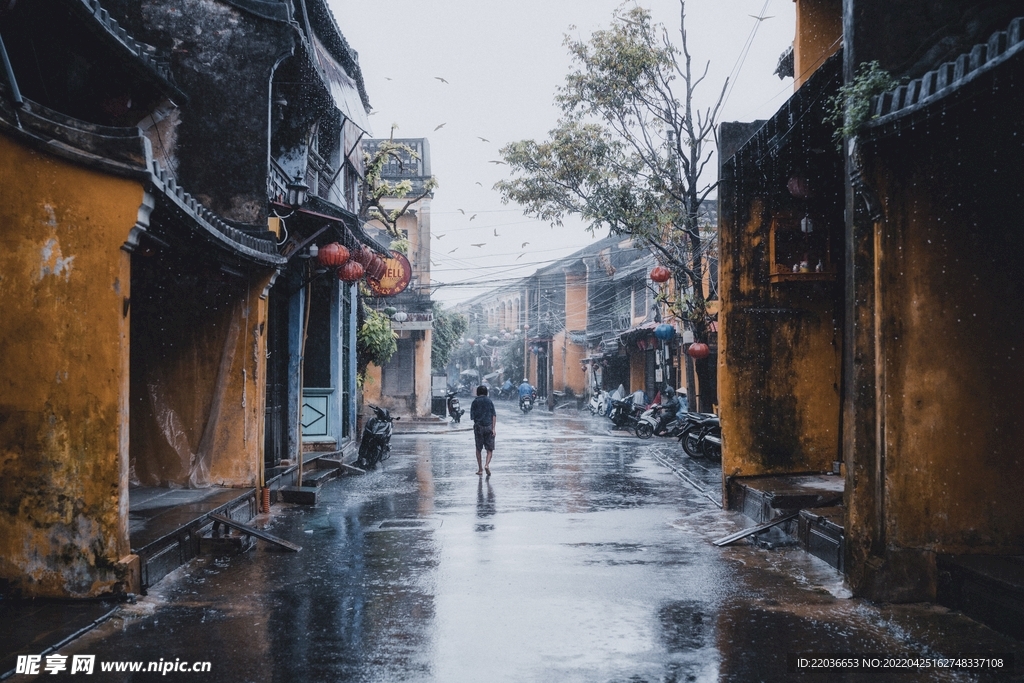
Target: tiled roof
{"x":145,"y":54}
{"x":948,"y":77}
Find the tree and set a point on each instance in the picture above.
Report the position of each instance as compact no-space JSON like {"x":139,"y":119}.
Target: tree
{"x":629,"y":154}
{"x":375,"y":190}
{"x":448,"y":327}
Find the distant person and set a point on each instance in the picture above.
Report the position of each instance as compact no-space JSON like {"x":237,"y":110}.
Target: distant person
{"x":485,"y":422}
{"x":525,"y":389}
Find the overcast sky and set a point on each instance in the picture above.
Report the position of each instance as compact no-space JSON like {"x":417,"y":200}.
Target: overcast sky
{"x":503,"y":60}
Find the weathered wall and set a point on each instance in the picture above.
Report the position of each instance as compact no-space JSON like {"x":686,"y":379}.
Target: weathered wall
{"x":637,"y":371}
{"x":63,"y":366}
{"x":949,"y":264}
{"x":819,"y":32}
{"x":197,"y":386}
{"x":223,"y":58}
{"x":779,"y":357}
{"x":422,"y":372}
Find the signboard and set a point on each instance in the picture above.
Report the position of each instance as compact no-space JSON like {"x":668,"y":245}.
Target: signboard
{"x":397,"y":274}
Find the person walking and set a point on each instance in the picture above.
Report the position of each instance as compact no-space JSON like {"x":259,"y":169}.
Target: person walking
{"x":485,"y":422}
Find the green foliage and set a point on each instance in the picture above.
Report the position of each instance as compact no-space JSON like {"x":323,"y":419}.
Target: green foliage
{"x":375,"y":189}
{"x":511,"y":358}
{"x":850,"y":108}
{"x":448,"y":327}
{"x":375,"y":342}
{"x":401,"y":245}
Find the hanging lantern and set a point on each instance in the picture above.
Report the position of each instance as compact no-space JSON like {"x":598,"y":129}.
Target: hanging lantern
{"x":332,"y":255}
{"x":665,"y":332}
{"x":698,"y":350}
{"x":401,"y":317}
{"x":390,"y":311}
{"x":660,"y":274}
{"x":375,"y":267}
{"x":362,"y":255}
{"x":351,"y":271}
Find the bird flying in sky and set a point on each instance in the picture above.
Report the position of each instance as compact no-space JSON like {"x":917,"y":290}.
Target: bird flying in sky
{"x":497,"y":162}
{"x":453,"y":250}
{"x":520,"y":256}
{"x":472,"y":217}
{"x":388,"y":79}
{"x":462,"y":212}
{"x":440,"y":236}
{"x":479,"y":183}
{"x":440,"y":79}
{"x":483,"y":139}
{"x":761,"y":18}
{"x":478,"y":245}
{"x":524,"y":245}
{"x":441,"y":126}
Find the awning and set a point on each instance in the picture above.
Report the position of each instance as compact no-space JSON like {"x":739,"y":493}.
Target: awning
{"x":344,"y":90}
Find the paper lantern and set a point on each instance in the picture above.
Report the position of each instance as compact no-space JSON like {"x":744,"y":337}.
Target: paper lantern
{"x":332,"y":255}
{"x":660,"y":274}
{"x":351,"y":271}
{"x":698,"y":350}
{"x":665,"y":332}
{"x":375,"y":267}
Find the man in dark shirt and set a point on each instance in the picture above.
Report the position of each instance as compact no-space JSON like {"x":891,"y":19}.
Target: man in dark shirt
{"x":485,"y":421}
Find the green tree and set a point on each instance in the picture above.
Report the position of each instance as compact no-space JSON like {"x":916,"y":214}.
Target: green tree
{"x":375,"y":189}
{"x":628,"y":153}
{"x":375,"y":342}
{"x":448,"y":327}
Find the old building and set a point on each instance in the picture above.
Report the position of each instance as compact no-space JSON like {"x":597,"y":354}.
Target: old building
{"x":157,"y":261}
{"x":403,"y":384}
{"x":870,"y":324}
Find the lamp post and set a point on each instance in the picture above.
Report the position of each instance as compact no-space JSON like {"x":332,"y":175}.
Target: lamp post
{"x":297,"y":191}
{"x":526,"y":356}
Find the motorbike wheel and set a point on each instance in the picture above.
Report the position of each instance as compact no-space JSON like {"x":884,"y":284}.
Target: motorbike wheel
{"x":691,"y":441}
{"x":710,"y":450}
{"x":644,"y":430}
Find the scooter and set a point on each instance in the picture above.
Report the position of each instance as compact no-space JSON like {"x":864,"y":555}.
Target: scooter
{"x":375,"y":445}
{"x":650,"y":424}
{"x":454,"y":407}
{"x":625,"y":414}
{"x":599,"y":402}
{"x":701,"y":435}
{"x":526,"y":402}
{"x":506,"y":394}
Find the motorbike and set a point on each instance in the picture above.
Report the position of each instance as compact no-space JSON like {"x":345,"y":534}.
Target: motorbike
{"x":598,"y":402}
{"x":454,"y":407}
{"x":650,"y":424}
{"x":375,"y":445}
{"x":625,"y":414}
{"x":506,"y":394}
{"x":526,"y":402}
{"x":701,"y":435}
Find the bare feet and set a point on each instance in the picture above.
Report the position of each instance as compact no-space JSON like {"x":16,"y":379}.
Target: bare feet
{"x":481,"y":472}
{"x":488,"y":470}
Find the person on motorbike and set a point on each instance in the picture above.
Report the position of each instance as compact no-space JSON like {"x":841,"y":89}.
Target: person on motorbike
{"x":526,"y":390}
{"x":506,"y":389}
{"x":668,"y":409}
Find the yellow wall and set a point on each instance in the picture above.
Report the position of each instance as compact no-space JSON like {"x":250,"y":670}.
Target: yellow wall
{"x":778,"y":361}
{"x":819,"y":30}
{"x":63,"y":363}
{"x":637,"y":370}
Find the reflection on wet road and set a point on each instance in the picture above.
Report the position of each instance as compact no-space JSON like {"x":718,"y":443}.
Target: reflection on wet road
{"x":582,"y":558}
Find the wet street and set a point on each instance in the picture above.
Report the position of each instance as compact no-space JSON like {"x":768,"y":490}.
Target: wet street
{"x":584,"y":557}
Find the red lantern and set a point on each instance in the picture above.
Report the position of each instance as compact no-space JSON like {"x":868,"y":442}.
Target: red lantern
{"x":375,"y":267}
{"x":660,"y":274}
{"x":332,"y":255}
{"x":351,"y":271}
{"x":362,"y":256}
{"x":698,"y":350}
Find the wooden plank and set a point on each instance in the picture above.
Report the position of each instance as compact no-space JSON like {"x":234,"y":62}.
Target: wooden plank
{"x":732,"y":538}
{"x":253,"y":531}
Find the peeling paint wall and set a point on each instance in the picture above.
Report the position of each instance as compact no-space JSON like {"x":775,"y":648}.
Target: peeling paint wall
{"x":63,"y":362}
{"x":197,"y":390}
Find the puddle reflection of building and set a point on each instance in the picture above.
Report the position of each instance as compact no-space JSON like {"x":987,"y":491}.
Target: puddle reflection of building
{"x":485,"y":506}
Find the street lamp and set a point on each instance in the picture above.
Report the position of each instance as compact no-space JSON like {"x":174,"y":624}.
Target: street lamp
{"x":526,"y":357}
{"x":297,"y":191}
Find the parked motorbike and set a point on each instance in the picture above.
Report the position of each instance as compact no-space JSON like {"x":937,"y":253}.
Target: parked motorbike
{"x":701,"y":435}
{"x":651,"y":424}
{"x":625,"y":413}
{"x":506,"y":394}
{"x":454,"y":407}
{"x":526,"y":402}
{"x":375,"y":445}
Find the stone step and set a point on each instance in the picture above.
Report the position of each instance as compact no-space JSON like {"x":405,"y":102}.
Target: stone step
{"x":820,"y":531}
{"x":987,"y":588}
